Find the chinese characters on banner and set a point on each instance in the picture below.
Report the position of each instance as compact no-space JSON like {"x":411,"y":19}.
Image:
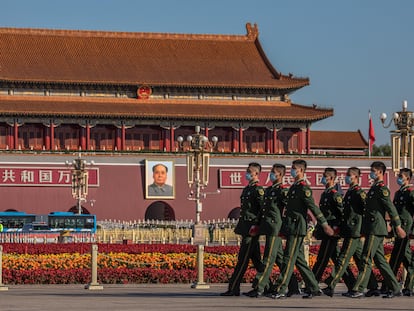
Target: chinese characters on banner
{"x":235,"y":178}
{"x":42,"y":176}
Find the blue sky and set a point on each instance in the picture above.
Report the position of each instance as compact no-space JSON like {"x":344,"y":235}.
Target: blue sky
{"x":357,"y":54}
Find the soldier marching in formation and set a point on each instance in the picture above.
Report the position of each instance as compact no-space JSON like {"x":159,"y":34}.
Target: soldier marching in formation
{"x":350,"y":231}
{"x":251,"y":201}
{"x":331,"y":206}
{"x":299,"y":201}
{"x":270,"y":224}
{"x":267,"y":212}
{"x":401,"y":252}
{"x":374,"y":227}
{"x":409,"y":281}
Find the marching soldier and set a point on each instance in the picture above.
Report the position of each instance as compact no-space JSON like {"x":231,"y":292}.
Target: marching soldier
{"x":404,"y":203}
{"x":350,"y":231}
{"x":251,"y":202}
{"x":298,"y":202}
{"x":331,"y":206}
{"x":409,"y":281}
{"x":270,"y":223}
{"x":374,"y":228}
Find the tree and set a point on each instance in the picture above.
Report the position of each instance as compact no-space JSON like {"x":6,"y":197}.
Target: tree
{"x":382,"y":150}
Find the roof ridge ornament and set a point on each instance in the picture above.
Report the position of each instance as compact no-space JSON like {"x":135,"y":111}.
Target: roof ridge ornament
{"x":252,"y":31}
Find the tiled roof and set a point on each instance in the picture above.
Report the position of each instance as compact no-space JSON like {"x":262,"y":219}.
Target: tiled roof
{"x":56,"y":106}
{"x":121,"y":58}
{"x":337,"y":140}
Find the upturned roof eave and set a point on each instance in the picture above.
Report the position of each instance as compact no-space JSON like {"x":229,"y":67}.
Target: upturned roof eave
{"x":160,"y":117}
{"x":296,"y":84}
{"x":206,"y":109}
{"x":260,"y":75}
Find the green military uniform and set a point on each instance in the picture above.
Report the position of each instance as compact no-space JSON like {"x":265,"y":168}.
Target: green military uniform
{"x":299,"y":200}
{"x":270,"y":222}
{"x":331,"y":206}
{"x":409,"y":281}
{"x":251,"y":201}
{"x":350,"y":230}
{"x":401,"y":252}
{"x":374,"y":228}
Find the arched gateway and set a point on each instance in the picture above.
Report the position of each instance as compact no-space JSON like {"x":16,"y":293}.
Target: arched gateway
{"x":160,"y":210}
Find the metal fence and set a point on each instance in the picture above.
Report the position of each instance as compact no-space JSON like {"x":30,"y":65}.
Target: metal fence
{"x":23,"y":237}
{"x":216,"y":232}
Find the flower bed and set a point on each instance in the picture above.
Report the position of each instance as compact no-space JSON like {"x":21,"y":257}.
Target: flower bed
{"x":138,"y":263}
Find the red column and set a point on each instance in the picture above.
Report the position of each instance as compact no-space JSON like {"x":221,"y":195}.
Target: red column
{"x":82,"y":138}
{"x":118,"y":138}
{"x":275,"y":142}
{"x":161,"y":140}
{"x":240,"y":139}
{"x":16,"y":135}
{"x":46,"y":140}
{"x":123,"y":143}
{"x":234,"y":146}
{"x":206,"y":131}
{"x":88,"y":136}
{"x":300,"y":141}
{"x":10,"y":142}
{"x":167,"y":143}
{"x":308,"y":142}
{"x":268,"y":144}
{"x":52,"y":136}
{"x":172,"y":134}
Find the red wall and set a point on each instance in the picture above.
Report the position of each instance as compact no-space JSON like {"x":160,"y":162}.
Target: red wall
{"x":121,"y":194}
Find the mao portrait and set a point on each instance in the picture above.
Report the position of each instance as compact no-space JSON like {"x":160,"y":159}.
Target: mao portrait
{"x":159,"y":179}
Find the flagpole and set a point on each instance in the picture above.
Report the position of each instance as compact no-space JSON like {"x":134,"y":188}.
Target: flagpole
{"x":371,"y":133}
{"x":369,"y":148}
{"x":369,"y":136}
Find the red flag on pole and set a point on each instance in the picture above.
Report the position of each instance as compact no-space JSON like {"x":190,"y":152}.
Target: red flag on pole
{"x":371,"y":133}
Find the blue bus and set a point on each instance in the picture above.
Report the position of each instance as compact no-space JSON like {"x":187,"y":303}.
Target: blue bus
{"x":15,"y":221}
{"x":59,"y":221}
{"x":56,"y":221}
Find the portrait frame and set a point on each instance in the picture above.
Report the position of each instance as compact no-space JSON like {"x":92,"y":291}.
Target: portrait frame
{"x":152,"y":191}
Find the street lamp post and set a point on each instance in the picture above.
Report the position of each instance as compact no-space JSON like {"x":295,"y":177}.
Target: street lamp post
{"x":197,"y":177}
{"x":402,"y":139}
{"x":79,"y":180}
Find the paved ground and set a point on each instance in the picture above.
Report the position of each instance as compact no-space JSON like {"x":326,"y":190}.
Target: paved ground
{"x":175,"y":297}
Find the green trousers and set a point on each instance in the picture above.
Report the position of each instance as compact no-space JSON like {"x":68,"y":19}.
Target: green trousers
{"x":294,"y":255}
{"x":328,"y":250}
{"x":409,"y":281}
{"x":401,"y":254}
{"x":351,"y":247}
{"x":273,"y":252}
{"x":249,"y":249}
{"x":373,"y":249}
